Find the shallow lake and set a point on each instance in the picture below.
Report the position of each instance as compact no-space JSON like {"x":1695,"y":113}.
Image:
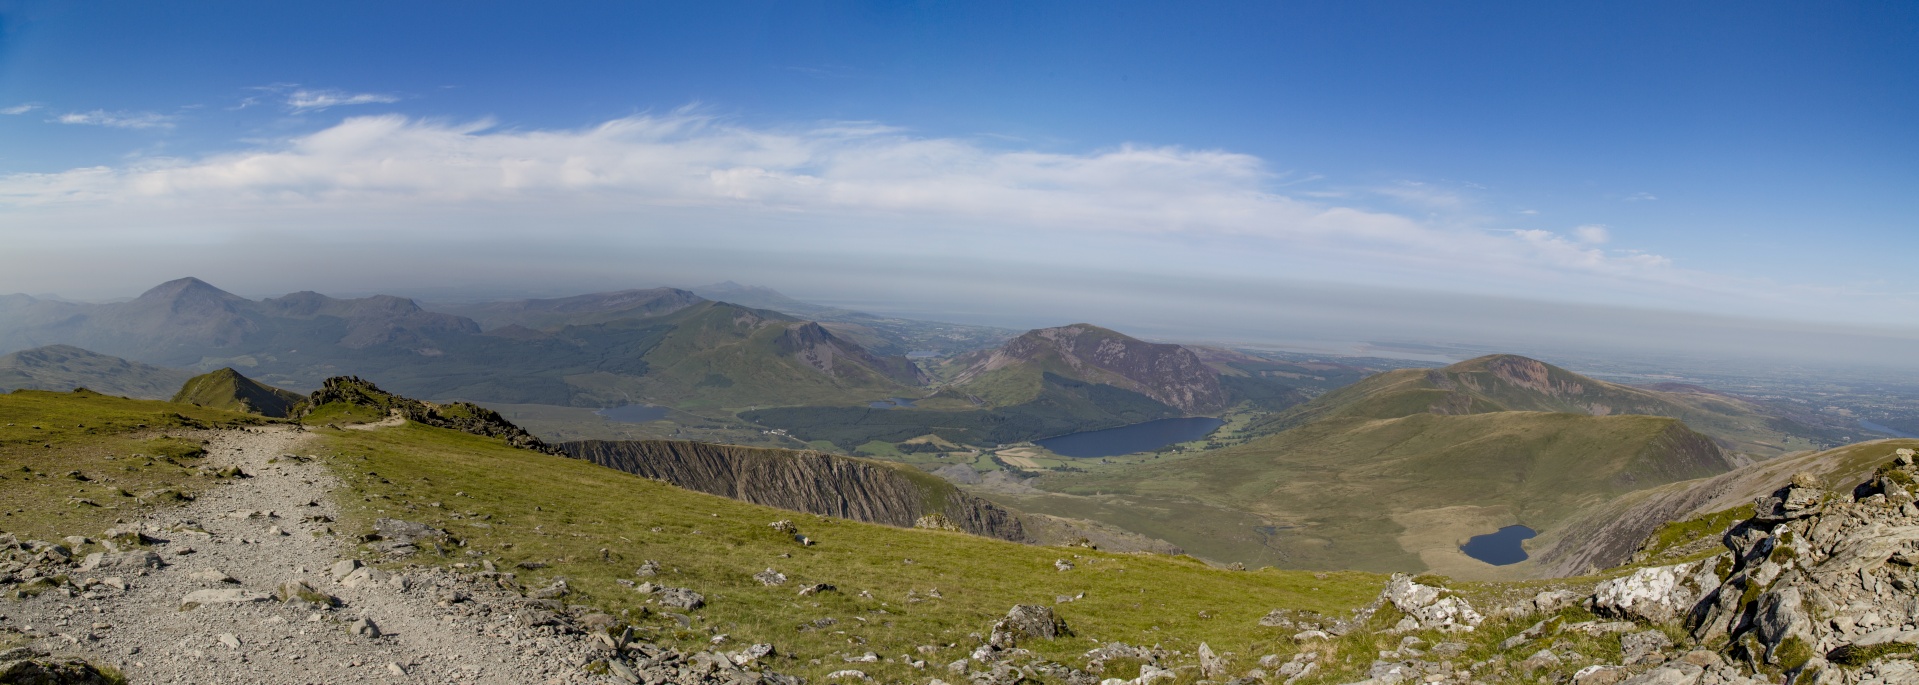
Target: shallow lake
{"x":1139,"y":437}
{"x":633,"y":413}
{"x":893,"y":403}
{"x":1501,"y":547}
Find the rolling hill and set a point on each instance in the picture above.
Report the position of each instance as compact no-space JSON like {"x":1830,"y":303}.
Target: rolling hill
{"x":576,"y":310}
{"x":65,"y":367}
{"x":1499,"y":383}
{"x":1393,"y":472}
{"x":227,"y":389}
{"x":1016,"y":372}
{"x":1046,"y":382}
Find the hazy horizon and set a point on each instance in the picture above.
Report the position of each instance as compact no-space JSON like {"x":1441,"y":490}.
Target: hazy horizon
{"x":1729,"y":180}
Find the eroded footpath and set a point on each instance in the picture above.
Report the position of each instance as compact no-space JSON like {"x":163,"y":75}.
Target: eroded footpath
{"x":250,"y":584}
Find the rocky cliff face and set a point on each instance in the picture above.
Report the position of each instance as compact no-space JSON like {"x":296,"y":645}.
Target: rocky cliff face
{"x":809,"y":482}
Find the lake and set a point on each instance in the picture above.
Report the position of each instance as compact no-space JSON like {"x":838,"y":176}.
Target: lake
{"x":893,"y":403}
{"x":1868,"y":425}
{"x":1139,"y":437}
{"x":1501,"y":547}
{"x":633,"y":413}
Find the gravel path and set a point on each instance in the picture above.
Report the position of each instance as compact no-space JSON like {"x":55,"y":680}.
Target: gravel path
{"x":259,"y":532}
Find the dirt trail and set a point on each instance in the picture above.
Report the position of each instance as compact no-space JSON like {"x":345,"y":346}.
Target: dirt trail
{"x":260,"y":532}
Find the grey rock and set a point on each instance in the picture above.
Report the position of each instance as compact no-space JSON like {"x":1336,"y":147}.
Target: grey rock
{"x":230,"y":596}
{"x":682,"y":598}
{"x":121,"y":561}
{"x":1027,"y":621}
{"x":342,"y":568}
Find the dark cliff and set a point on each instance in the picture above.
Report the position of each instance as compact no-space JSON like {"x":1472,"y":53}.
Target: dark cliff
{"x":809,"y":482}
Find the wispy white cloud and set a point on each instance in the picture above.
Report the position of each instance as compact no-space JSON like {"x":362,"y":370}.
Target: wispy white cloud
{"x":133,"y":120}
{"x":1593,"y":234}
{"x":21,"y":108}
{"x":1641,"y":197}
{"x":749,"y":182}
{"x":303,"y":100}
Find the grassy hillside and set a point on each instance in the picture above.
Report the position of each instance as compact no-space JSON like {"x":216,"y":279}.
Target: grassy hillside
{"x":898,"y":589}
{"x":65,"y":367}
{"x":227,"y":389}
{"x":1063,"y":405}
{"x":71,"y":463}
{"x":1510,"y":383}
{"x":1387,"y":494}
{"x":720,"y":355}
{"x":1011,"y":374}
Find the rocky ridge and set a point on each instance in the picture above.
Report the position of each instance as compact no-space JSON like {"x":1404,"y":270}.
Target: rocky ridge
{"x":465,"y":417}
{"x":810,"y":482}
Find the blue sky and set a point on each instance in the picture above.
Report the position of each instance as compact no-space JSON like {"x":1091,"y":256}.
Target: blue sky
{"x":1751,"y":159}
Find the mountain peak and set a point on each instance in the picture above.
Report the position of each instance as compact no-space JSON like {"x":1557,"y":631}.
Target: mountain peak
{"x":186,"y":288}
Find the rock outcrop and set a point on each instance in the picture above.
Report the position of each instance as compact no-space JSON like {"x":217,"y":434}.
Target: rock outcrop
{"x":465,"y":417}
{"x":810,"y":482}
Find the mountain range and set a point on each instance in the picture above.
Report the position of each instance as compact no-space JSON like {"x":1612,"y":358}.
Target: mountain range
{"x":674,"y":348}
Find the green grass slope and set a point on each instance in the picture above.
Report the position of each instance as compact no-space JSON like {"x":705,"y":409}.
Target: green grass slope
{"x":65,"y":367}
{"x":227,"y":389}
{"x":898,"y":589}
{"x":1063,"y":405}
{"x":1499,"y":383}
{"x":715,"y":354}
{"x":71,"y":463}
{"x":1012,"y":373}
{"x":1387,"y":494}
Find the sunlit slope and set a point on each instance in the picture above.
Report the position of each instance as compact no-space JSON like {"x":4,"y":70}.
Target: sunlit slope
{"x":714,"y":354}
{"x":1399,"y":493}
{"x":228,"y":389}
{"x":1512,"y":383}
{"x":75,"y":462}
{"x":1014,"y":373}
{"x":548,"y":516}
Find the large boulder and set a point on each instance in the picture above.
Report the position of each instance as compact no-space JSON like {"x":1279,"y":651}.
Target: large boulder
{"x":1430,"y":606}
{"x":1660,"y":593}
{"x":1027,"y":621}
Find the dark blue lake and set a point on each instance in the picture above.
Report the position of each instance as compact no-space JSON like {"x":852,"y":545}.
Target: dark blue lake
{"x":1501,"y":547}
{"x":633,"y":413}
{"x":1868,"y":425}
{"x":893,"y":403}
{"x":1139,"y":437}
